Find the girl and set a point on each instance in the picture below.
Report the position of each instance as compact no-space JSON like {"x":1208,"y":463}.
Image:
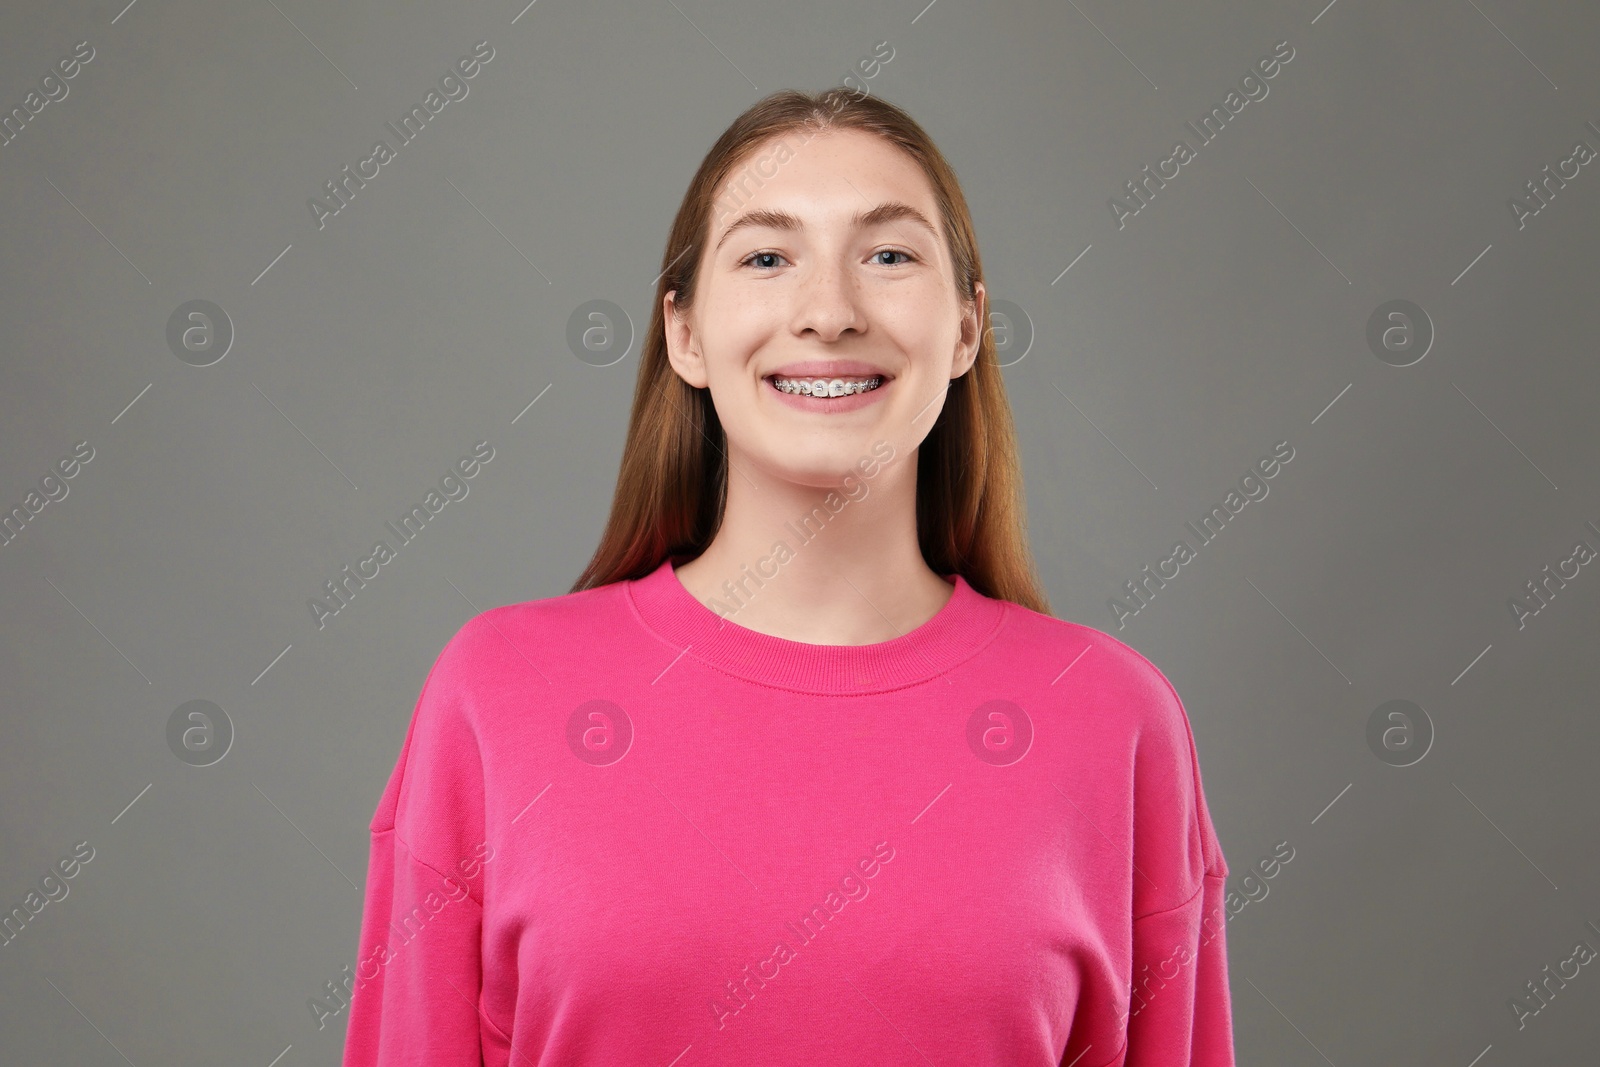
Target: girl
{"x":801,"y":770}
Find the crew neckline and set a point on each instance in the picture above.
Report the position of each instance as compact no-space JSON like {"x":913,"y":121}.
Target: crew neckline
{"x":966,"y":623}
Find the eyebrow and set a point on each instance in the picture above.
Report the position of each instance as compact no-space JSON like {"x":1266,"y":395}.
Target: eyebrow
{"x":889,"y":211}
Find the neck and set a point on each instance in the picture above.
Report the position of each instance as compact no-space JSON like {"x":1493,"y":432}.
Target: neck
{"x":835,"y":564}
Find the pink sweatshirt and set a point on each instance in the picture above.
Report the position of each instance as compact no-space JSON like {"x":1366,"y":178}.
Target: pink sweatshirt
{"x":624,"y":830}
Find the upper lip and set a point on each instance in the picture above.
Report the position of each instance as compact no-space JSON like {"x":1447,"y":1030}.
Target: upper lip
{"x":829,"y":368}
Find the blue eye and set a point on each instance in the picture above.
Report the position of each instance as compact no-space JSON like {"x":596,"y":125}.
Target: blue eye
{"x":756,"y":255}
{"x":748,"y":261}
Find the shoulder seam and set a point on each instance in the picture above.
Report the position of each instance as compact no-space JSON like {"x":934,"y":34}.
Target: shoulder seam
{"x":1179,"y":907}
{"x":1206,"y":862}
{"x":1122,"y":1048}
{"x":413,"y":854}
{"x":405,"y":743}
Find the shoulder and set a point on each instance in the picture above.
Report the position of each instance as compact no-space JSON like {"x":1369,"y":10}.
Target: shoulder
{"x":1094,"y":665}
{"x":476,"y":678}
{"x":487,"y":667}
{"x":521,"y":636}
{"x":1137,"y":712}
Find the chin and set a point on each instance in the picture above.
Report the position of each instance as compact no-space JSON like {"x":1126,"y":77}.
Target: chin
{"x":821,"y":464}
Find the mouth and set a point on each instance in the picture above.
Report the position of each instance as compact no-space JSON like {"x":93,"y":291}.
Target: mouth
{"x":837,"y":394}
{"x":826,"y":387}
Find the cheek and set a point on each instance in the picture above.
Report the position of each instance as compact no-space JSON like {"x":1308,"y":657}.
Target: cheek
{"x":735,"y":393}
{"x":924,"y":346}
{"x":735,"y":333}
{"x":920,"y":319}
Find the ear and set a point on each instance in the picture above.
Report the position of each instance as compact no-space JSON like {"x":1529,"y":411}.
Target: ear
{"x":683,"y":350}
{"x":974,"y":323}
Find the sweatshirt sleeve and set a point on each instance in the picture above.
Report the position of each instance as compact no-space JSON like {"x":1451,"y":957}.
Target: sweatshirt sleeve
{"x":418,"y":972}
{"x":1178,"y":1007}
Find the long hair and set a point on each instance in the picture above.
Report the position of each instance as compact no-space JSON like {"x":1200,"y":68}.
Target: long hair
{"x":672,"y":485}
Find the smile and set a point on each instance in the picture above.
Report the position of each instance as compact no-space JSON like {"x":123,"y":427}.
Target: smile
{"x":825,"y":386}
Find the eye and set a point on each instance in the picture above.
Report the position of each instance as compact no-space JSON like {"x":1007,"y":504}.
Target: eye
{"x":745,"y":262}
{"x":892,"y":252}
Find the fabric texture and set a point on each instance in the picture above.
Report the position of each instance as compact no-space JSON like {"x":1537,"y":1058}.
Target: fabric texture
{"x":623,"y":829}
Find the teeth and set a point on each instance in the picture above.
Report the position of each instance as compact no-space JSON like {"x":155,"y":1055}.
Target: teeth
{"x":827,"y":386}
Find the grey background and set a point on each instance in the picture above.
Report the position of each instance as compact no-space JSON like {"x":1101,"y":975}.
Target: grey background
{"x":1228,"y":315}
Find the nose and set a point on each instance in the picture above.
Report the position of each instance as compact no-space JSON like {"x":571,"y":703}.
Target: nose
{"x":828,"y":303}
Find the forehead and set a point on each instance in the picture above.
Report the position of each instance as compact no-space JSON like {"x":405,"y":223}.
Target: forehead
{"x":821,"y":176}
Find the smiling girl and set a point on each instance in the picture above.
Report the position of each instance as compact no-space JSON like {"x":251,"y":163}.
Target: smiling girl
{"x":671,"y":795}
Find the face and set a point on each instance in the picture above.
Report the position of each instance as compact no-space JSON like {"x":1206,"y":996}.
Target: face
{"x":834,"y":267}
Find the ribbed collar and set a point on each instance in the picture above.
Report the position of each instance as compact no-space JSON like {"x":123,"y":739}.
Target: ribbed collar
{"x":966,"y":623}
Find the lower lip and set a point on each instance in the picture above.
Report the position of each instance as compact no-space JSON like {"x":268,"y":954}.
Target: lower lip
{"x":829,"y":405}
